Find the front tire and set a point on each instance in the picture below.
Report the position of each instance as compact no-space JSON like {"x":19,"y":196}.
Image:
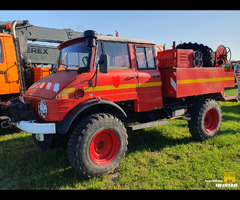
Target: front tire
{"x":206,"y":118}
{"x":97,"y":145}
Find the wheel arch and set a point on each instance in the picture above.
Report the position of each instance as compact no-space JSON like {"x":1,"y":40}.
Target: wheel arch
{"x":89,"y":107}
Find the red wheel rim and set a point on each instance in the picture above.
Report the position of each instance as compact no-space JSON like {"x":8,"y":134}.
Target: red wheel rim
{"x":211,"y":120}
{"x":104,"y":147}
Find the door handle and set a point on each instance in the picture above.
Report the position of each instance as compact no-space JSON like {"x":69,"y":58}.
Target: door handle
{"x":156,"y":76}
{"x":130,"y":77}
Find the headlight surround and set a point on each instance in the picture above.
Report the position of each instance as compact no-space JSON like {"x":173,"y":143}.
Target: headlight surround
{"x":42,"y":108}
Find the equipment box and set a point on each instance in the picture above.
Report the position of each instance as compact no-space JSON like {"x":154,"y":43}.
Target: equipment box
{"x":175,"y":58}
{"x":183,"y":82}
{"x":40,"y":72}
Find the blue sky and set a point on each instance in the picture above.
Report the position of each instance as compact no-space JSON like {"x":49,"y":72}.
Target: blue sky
{"x":211,"y":28}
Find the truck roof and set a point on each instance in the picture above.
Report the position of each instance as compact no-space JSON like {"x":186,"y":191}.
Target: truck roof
{"x":107,"y":38}
{"x":5,"y":35}
{"x":123,"y":39}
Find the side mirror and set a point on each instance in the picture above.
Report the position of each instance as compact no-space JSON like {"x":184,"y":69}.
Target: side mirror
{"x":104,"y":63}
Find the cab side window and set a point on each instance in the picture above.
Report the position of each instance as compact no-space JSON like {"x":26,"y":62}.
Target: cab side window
{"x":118,"y":54}
{"x":141,"y":58}
{"x":145,"y":58}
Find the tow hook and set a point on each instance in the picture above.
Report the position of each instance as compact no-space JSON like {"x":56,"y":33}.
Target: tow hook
{"x":6,"y":124}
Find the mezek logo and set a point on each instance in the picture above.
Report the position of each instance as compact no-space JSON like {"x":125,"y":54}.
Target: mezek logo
{"x":229,"y":180}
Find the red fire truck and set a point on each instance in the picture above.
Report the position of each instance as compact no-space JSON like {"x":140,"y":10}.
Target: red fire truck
{"x":105,"y":83}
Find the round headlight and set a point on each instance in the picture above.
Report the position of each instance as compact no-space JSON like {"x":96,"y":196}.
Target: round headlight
{"x":42,"y":108}
{"x":79,"y":93}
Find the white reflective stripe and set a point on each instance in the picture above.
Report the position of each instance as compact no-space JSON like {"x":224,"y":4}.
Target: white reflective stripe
{"x":48,"y":85}
{"x":41,"y":86}
{"x":56,"y":87}
{"x":173,"y":84}
{"x":35,"y":85}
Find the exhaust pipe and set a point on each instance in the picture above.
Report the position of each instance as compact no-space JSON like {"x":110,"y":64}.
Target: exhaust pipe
{"x":91,"y":37}
{"x":13,"y":25}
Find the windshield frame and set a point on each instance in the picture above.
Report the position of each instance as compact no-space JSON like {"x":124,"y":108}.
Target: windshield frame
{"x":71,"y":43}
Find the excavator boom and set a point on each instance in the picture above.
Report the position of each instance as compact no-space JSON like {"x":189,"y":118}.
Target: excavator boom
{"x":39,"y":54}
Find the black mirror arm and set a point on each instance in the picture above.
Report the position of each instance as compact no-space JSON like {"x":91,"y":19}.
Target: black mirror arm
{"x":94,"y":75}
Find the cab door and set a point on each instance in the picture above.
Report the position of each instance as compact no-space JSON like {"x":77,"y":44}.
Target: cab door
{"x":120,"y":83}
{"x":9,"y":79}
{"x":11,"y":61}
{"x":4,"y":89}
{"x":149,"y":79}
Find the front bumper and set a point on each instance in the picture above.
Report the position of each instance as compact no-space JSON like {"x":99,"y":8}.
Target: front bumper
{"x":37,"y":128}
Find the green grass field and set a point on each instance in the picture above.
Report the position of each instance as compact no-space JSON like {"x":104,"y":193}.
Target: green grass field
{"x":164,"y":157}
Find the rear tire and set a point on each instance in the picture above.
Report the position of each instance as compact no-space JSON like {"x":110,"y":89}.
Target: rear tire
{"x":97,"y":145}
{"x":206,"y":118}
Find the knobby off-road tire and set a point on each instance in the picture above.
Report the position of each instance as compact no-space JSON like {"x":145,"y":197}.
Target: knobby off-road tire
{"x":206,"y":118}
{"x":208,"y":53}
{"x":97,"y":145}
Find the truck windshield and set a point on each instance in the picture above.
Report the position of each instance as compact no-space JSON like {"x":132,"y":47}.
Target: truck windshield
{"x":74,"y":56}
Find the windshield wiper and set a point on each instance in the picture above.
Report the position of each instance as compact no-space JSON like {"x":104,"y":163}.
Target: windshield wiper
{"x":61,"y":62}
